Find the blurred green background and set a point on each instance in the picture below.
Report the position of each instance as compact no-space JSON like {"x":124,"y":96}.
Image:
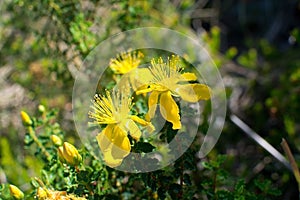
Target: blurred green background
{"x":255,"y":44}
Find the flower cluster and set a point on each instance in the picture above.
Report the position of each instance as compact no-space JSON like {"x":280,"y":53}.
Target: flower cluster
{"x":162,"y":81}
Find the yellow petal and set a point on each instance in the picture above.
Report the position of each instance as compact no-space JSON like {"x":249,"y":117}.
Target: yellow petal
{"x":193,"y":92}
{"x":152,"y":104}
{"x":143,"y":89}
{"x":120,"y":146}
{"x":110,"y":160}
{"x":105,"y":137}
{"x":140,"y":77}
{"x":162,"y":87}
{"x":139,"y":120}
{"x":150,"y":128}
{"x":169,"y":109}
{"x":114,"y":137}
{"x":114,"y":145}
{"x":134,"y":130}
{"x":189,"y":76}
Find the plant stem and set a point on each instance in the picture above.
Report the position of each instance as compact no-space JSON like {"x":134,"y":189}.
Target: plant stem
{"x":293,"y":163}
{"x":36,"y":140}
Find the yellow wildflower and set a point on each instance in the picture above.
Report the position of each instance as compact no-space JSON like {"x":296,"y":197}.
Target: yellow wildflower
{"x":127,"y":64}
{"x":114,"y":110}
{"x":15,"y":192}
{"x":126,"y":61}
{"x":167,"y":81}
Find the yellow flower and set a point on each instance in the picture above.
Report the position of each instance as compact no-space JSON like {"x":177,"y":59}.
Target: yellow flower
{"x":167,"y":81}
{"x":125,"y":62}
{"x":114,"y":110}
{"x":15,"y":192}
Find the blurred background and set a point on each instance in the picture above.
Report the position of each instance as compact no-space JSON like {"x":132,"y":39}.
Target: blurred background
{"x":254,"y":43}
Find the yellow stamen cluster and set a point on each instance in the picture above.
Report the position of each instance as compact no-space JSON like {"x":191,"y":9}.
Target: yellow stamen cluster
{"x":108,"y":110}
{"x":126,"y":61}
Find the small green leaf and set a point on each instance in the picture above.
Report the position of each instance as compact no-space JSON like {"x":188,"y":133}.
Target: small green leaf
{"x":34,"y":183}
{"x":28,"y":140}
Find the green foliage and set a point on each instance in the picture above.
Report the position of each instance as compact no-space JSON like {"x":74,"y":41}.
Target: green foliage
{"x":94,"y":180}
{"x":249,"y":59}
{"x":217,"y":184}
{"x":81,"y":33}
{"x":4,"y":191}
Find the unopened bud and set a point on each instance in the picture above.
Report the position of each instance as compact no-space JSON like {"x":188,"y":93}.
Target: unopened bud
{"x":41,"y":108}
{"x":41,"y":194}
{"x":16,"y":192}
{"x":60,"y":154}
{"x":56,"y":140}
{"x":71,"y":154}
{"x":25,"y":118}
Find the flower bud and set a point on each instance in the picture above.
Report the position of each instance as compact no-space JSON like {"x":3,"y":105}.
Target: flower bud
{"x":41,"y":108}
{"x":41,"y":194}
{"x":16,"y":192}
{"x":25,"y":118}
{"x":56,"y":140}
{"x":155,"y":195}
{"x":70,"y":154}
{"x":60,"y":151}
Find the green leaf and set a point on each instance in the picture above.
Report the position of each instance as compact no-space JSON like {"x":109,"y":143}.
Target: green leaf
{"x":34,"y":183}
{"x":28,"y":140}
{"x":207,"y":165}
{"x":239,"y":190}
{"x":224,"y":195}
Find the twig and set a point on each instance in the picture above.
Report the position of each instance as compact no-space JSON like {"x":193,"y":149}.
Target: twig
{"x":291,"y":158}
{"x":261,"y":141}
